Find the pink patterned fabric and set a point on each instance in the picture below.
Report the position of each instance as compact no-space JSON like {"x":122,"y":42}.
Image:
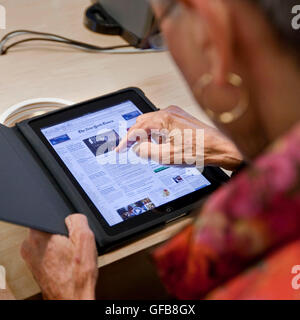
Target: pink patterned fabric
{"x":258,"y":212}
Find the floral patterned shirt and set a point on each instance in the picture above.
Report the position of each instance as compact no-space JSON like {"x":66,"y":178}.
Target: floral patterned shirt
{"x":253,"y":219}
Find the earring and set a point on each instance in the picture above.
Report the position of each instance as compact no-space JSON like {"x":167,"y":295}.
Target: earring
{"x":229,"y":116}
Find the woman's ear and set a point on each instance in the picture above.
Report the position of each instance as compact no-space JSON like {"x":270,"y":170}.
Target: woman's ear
{"x":216,"y":16}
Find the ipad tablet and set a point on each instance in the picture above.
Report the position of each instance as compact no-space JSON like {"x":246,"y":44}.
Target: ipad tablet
{"x":124,"y":196}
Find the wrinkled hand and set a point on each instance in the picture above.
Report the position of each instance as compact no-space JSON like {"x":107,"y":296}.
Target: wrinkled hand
{"x":65,"y":268}
{"x":218,"y":150}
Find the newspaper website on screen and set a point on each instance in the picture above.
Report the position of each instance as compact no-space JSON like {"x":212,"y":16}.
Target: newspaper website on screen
{"x":119,"y":189}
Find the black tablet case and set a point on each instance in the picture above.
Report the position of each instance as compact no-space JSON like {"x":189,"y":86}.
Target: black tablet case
{"x":36,"y":192}
{"x":34,"y":189}
{"x":28,"y":195}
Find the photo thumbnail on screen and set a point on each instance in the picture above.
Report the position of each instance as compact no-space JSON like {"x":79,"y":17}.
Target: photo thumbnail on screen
{"x":103,"y":143}
{"x":136,"y":208}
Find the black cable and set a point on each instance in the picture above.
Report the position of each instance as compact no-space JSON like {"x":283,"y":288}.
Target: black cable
{"x":60,"y":39}
{"x":63,"y":38}
{"x":35,"y":33}
{"x":4,"y":51}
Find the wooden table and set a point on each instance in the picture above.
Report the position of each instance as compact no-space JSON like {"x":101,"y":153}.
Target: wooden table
{"x":46,"y":70}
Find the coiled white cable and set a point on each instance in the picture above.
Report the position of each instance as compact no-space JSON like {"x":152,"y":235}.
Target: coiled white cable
{"x":30,"y":108}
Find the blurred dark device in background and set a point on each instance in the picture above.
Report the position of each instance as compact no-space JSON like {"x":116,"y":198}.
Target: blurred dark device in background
{"x":131,"y":19}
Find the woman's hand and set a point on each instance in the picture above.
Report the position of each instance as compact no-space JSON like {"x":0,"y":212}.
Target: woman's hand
{"x":65,"y":268}
{"x":172,"y":147}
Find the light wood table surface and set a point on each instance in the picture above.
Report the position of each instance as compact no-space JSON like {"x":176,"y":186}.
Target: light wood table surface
{"x":36,"y":70}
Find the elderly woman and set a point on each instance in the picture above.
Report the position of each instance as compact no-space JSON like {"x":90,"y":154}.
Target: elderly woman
{"x":241,"y":61}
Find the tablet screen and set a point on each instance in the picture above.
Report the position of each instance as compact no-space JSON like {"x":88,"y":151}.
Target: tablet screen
{"x":121,"y":186}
